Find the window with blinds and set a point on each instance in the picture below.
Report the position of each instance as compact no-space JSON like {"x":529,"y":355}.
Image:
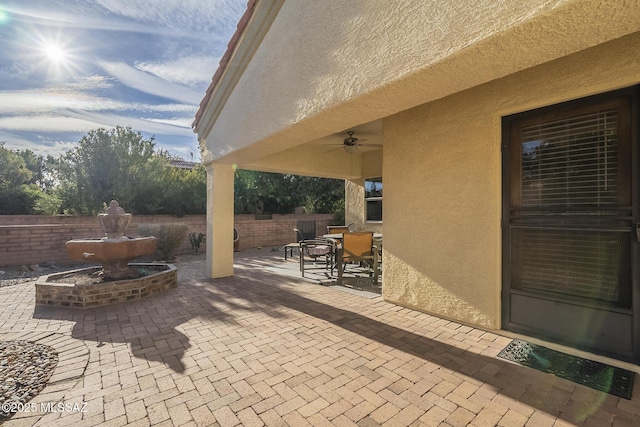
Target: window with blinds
{"x":569,"y":181}
{"x":571,"y":162}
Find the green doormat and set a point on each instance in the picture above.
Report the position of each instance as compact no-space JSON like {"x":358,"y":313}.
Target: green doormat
{"x":596,"y":375}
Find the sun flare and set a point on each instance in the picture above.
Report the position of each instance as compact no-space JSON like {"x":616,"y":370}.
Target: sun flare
{"x":54,"y":53}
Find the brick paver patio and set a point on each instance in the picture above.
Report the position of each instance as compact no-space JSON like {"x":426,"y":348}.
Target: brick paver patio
{"x":262,"y":348}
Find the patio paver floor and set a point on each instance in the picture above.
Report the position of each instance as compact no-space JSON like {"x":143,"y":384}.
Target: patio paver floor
{"x":264,"y":348}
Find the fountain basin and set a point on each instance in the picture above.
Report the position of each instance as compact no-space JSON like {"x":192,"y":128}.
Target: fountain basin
{"x":52,"y":290}
{"x":105,"y":250}
{"x":113,"y":253}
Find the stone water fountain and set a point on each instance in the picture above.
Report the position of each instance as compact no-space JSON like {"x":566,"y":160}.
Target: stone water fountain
{"x":115,"y":250}
{"x":119,"y":280}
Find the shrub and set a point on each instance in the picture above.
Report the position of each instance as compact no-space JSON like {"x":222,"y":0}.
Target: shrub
{"x":169,"y":237}
{"x":195,"y":241}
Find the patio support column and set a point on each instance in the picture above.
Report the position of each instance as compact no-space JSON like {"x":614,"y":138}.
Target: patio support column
{"x":219,"y":220}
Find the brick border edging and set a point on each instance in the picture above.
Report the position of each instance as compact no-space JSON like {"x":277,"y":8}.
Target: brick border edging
{"x":107,"y":293}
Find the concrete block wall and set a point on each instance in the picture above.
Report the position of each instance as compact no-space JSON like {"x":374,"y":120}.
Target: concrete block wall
{"x":276,"y":231}
{"x":34,"y":239}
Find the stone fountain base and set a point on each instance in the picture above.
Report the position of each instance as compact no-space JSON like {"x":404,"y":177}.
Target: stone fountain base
{"x":52,"y":290}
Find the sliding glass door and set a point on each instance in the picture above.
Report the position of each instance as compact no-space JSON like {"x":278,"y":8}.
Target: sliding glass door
{"x":569,"y":224}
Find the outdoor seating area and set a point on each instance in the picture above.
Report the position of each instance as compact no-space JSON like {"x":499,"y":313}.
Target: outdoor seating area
{"x":341,"y":256}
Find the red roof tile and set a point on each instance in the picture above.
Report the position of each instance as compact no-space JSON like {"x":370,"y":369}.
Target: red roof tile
{"x":225,"y":59}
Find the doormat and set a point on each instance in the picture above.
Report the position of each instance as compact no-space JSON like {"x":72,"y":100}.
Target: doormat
{"x":596,"y":375}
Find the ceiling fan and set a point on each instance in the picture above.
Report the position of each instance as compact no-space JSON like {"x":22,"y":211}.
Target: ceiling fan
{"x":351,"y":143}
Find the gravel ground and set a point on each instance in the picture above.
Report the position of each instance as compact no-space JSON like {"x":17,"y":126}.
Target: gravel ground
{"x":16,"y":275}
{"x":25,"y":368}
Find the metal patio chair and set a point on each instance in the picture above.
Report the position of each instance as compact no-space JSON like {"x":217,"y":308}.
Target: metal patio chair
{"x":357,"y":247}
{"x":312,"y":250}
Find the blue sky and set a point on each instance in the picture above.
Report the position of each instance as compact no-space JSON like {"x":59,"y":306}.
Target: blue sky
{"x":70,"y":66}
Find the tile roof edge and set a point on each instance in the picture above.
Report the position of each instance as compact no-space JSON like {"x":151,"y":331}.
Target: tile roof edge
{"x":224,"y":61}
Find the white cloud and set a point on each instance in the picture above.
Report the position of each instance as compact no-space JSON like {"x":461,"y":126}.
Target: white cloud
{"x":197,"y":15}
{"x":141,"y":124}
{"x":82,"y":14}
{"x":20,"y":102}
{"x":92,"y":82}
{"x":57,"y":100}
{"x":150,"y":84}
{"x":188,"y":70}
{"x":84,"y":121}
{"x":184,"y":122}
{"x":54,"y":148}
{"x":47,"y":123}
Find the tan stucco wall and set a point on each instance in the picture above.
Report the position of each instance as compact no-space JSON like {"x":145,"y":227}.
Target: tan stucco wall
{"x":442,"y":181}
{"x":325,"y":66}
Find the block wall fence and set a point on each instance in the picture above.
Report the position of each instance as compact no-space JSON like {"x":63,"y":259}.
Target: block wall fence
{"x":34,"y":239}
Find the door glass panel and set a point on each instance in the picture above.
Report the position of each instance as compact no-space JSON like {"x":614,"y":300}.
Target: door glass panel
{"x":586,"y":264}
{"x":570,"y":246}
{"x":570,"y":177}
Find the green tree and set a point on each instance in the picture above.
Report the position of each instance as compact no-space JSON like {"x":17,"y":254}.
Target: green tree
{"x":192,"y":187}
{"x":41,"y":169}
{"x":13,"y":169}
{"x":164,"y":189}
{"x":153,"y":187}
{"x":20,"y":192}
{"x":106,"y":165}
{"x":257,"y":192}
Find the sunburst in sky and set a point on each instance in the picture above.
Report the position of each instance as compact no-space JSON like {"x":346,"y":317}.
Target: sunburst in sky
{"x":70,"y":66}
{"x":55,"y":53}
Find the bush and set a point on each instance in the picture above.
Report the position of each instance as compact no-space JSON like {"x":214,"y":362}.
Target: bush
{"x":169,"y":237}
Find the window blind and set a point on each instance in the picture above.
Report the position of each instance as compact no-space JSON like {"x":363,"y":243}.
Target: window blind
{"x":585,"y":264}
{"x":571,"y":162}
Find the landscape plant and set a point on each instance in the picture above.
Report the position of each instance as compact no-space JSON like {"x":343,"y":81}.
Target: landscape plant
{"x":24,"y":188}
{"x":169,"y":238}
{"x":195,"y":241}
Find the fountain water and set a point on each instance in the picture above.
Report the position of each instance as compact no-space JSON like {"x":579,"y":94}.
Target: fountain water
{"x":115,"y":250}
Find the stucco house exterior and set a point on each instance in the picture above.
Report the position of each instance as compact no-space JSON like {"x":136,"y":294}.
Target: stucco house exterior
{"x":505,"y":133}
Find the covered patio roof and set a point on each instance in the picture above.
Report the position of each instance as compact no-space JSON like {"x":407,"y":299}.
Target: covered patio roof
{"x":285,"y":88}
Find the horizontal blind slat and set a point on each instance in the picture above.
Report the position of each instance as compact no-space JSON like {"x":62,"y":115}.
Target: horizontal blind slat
{"x":571,"y":161}
{"x":579,"y":263}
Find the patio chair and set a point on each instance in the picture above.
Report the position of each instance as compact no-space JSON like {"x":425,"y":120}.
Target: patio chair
{"x":289,"y":247}
{"x":311,"y":250}
{"x":335,"y":229}
{"x":358,"y":248}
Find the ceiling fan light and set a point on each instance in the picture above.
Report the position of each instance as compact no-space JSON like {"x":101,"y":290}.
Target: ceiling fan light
{"x":349,"y":148}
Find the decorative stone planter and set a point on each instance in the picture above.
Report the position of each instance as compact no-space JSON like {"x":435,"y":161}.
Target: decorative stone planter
{"x":53,"y":292}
